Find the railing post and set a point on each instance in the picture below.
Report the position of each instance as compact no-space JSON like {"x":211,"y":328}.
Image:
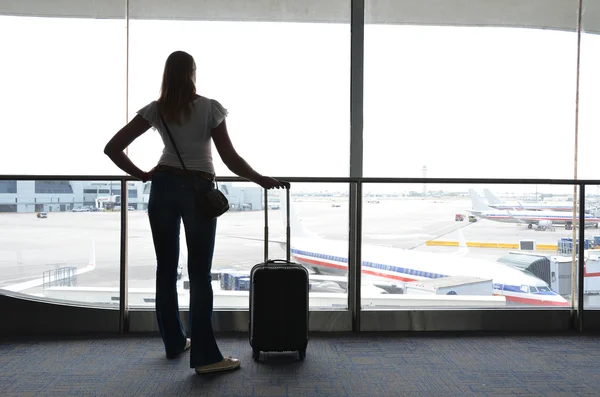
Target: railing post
{"x":354,"y":253}
{"x":581,"y":258}
{"x":123,"y":290}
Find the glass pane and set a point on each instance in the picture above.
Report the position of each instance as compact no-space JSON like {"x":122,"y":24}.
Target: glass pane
{"x":63,"y":93}
{"x":591,"y":245}
{"x":285,"y":85}
{"x":589,"y":95}
{"x":479,"y":246}
{"x":58,"y":241}
{"x":458,"y":100}
{"x":319,"y":241}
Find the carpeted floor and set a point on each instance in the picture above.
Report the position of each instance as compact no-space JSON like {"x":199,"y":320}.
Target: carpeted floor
{"x":336,"y":365}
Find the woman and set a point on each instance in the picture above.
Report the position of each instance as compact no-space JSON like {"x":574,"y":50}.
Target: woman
{"x":192,"y":120}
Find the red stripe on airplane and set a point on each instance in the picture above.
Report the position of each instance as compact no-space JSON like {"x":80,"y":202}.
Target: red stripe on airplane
{"x":342,"y":267}
{"x":586,"y":274}
{"x":531,"y":301}
{"x":526,"y":218}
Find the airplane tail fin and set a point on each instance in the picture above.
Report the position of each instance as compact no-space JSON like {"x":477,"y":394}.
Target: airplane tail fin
{"x":478,"y":203}
{"x":463,"y":249}
{"x":491,"y":198}
{"x":182,"y":253}
{"x":91,"y":266}
{"x":297,"y":227}
{"x":92,"y":260}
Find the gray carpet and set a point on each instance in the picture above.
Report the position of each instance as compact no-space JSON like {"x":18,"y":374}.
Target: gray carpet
{"x":336,"y":365}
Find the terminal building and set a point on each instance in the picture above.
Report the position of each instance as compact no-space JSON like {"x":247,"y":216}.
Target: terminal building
{"x":54,"y":196}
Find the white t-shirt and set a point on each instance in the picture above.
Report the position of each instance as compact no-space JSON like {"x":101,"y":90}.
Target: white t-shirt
{"x":192,"y":137}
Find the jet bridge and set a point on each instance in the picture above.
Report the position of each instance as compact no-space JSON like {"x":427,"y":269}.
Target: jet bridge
{"x":555,"y":270}
{"x":535,"y":264}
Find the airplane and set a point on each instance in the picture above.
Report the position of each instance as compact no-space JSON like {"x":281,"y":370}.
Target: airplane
{"x":496,"y":203}
{"x":325,"y":256}
{"x":530,"y":218}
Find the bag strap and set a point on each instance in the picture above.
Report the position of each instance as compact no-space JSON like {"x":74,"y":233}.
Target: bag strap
{"x":173,"y":141}
{"x":170,"y":137}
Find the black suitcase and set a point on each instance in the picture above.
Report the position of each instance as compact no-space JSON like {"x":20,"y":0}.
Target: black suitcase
{"x":278,"y":301}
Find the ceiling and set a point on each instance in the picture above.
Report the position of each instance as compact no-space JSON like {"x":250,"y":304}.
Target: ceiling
{"x":537,"y":14}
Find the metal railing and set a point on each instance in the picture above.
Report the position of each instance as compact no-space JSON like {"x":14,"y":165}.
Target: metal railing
{"x":354,"y":226}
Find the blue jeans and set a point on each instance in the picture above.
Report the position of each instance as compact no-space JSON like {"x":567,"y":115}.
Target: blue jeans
{"x":172,"y":199}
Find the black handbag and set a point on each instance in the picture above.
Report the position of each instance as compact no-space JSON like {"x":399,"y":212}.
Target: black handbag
{"x":213,"y":203}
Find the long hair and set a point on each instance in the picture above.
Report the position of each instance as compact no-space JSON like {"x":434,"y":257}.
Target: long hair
{"x":178,"y":88}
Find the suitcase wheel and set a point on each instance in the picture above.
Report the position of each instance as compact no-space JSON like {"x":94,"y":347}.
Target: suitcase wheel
{"x":301,"y":354}
{"x":255,"y":354}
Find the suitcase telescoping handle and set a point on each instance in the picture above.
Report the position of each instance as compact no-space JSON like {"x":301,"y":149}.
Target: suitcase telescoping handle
{"x":287,"y":224}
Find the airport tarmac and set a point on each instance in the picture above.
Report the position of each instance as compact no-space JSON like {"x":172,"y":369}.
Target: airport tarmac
{"x":30,"y":246}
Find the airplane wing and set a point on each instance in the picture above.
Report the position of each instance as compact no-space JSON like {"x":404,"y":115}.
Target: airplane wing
{"x":374,"y":284}
{"x":521,"y":220}
{"x":91,"y":266}
{"x":519,"y":206}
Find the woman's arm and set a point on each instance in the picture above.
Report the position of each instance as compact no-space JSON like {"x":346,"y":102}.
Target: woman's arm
{"x":236,"y":163}
{"x":123,"y":138}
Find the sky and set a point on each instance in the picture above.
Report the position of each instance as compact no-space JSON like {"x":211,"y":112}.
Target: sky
{"x":464,"y":102}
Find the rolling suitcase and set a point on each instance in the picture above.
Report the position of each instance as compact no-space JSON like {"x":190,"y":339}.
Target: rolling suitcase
{"x":278,"y":300}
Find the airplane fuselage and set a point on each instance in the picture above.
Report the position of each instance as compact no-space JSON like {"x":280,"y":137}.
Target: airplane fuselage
{"x":330,"y":257}
{"x":533,"y":217}
{"x":533,"y":207}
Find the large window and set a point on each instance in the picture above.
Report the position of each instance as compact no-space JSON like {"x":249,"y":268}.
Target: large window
{"x":588,"y":146}
{"x":448,"y":101}
{"x":63,"y":93}
{"x":285,"y":85}
{"x":591,"y":246}
{"x":53,"y":187}
{"x":319,"y":241}
{"x":486,"y":89}
{"x":286,"y":88}
{"x":589,"y":100}
{"x":52,"y":248}
{"x":8,"y":186}
{"x":469,"y":246}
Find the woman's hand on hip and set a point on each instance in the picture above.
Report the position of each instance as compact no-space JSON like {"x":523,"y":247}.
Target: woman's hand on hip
{"x":148,"y":175}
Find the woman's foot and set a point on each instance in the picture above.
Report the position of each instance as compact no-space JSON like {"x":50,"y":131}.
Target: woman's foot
{"x":228,"y":363}
{"x":188,"y":345}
